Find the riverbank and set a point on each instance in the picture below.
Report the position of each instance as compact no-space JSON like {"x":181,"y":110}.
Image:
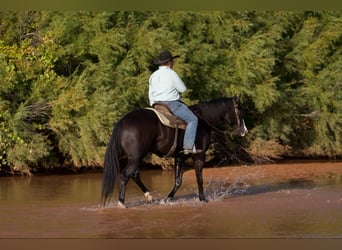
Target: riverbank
{"x":281,"y":170}
{"x":269,"y":173}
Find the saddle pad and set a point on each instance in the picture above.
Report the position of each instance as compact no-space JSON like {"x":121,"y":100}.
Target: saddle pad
{"x":167,"y":118}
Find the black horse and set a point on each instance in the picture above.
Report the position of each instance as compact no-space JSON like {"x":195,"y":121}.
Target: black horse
{"x":140,"y":132}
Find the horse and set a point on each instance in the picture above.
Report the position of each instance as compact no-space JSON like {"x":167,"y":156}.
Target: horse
{"x":140,"y":132}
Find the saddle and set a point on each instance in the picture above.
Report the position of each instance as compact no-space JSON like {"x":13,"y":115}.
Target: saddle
{"x":170,"y":120}
{"x":166,"y":117}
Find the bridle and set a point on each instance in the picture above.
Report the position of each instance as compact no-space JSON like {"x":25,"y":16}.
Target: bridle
{"x":241,"y":128}
{"x":236,"y":111}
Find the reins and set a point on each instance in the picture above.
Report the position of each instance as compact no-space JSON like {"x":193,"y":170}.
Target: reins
{"x":213,"y":126}
{"x":209,"y":124}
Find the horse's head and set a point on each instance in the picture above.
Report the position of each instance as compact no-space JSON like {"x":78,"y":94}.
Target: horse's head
{"x":234,"y":117}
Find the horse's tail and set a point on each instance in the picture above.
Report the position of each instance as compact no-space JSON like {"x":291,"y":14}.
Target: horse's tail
{"x":111,"y":169}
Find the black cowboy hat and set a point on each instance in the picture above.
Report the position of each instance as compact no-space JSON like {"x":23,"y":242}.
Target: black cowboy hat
{"x":164,"y":57}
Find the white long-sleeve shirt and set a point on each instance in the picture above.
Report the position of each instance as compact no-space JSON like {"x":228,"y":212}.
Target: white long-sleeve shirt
{"x":165,"y":85}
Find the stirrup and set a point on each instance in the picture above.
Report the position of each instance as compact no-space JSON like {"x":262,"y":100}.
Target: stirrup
{"x":187,"y":151}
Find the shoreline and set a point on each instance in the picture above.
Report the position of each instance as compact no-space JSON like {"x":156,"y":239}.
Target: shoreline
{"x":269,"y":173}
{"x":99,"y":169}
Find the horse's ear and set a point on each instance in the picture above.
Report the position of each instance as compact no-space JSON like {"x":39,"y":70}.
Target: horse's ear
{"x":236,"y":98}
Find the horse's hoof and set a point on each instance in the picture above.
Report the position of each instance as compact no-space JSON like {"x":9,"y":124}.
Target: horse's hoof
{"x":148,"y":197}
{"x":121,"y":205}
{"x":167,"y":200}
{"x":204,"y":200}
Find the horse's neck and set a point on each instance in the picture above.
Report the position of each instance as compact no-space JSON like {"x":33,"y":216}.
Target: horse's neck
{"x":210,"y":115}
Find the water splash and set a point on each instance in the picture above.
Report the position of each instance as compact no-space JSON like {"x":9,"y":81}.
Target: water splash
{"x":218,"y":189}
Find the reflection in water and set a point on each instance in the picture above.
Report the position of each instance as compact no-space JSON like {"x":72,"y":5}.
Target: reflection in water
{"x":68,"y":207}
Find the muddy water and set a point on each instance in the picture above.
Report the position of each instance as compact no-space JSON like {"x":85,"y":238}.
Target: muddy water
{"x":278,"y":201}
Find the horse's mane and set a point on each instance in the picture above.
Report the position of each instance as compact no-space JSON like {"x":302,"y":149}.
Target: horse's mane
{"x":211,"y":110}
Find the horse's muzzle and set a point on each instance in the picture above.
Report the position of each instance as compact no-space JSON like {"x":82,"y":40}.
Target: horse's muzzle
{"x":242,"y":129}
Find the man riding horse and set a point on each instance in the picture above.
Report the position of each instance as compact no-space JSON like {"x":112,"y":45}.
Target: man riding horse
{"x":165,"y":87}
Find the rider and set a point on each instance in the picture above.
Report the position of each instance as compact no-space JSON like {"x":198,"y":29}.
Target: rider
{"x":165,"y":86}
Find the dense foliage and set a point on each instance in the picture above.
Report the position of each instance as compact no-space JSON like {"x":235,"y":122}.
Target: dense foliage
{"x":67,"y":77}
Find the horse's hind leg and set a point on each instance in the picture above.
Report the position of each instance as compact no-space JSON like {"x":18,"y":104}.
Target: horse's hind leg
{"x":137,"y":179}
{"x":128,"y":172}
{"x":122,"y":190}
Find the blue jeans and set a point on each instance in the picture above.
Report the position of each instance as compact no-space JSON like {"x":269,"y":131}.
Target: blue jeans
{"x":182,"y":111}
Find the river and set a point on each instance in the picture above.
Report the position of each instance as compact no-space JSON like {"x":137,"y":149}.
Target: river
{"x":244,"y":202}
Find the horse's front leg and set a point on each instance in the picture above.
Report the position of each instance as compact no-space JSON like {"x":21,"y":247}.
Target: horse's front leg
{"x":178,"y":177}
{"x":198,"y":164}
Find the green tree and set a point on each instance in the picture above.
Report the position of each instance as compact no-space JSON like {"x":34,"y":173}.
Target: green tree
{"x":26,"y":72}
{"x":67,"y":77}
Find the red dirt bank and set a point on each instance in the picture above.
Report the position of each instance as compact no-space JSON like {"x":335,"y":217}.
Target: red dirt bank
{"x":268,"y":173}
